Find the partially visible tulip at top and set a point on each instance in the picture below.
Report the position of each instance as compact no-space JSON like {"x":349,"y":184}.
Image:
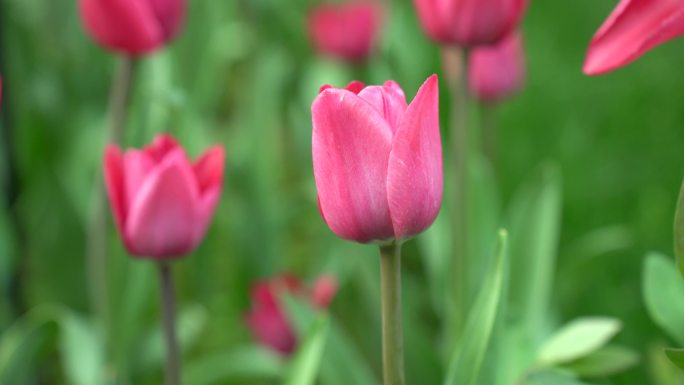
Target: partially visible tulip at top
{"x":267,"y":320}
{"x":469,"y":23}
{"x":496,"y":72}
{"x":132,"y":27}
{"x":161,"y":201}
{"x":347,"y":31}
{"x":377,"y":161}
{"x":632,"y":29}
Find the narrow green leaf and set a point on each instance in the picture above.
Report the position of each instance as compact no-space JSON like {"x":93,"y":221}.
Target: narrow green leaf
{"x":663,"y":290}
{"x":676,"y":356}
{"x":679,"y":231}
{"x":535,"y":217}
{"x":190,"y":323}
{"x":604,"y":362}
{"x":466,"y":362}
{"x":553,"y":377}
{"x":245,"y":363}
{"x":82,"y":349}
{"x":306,"y":363}
{"x":578,"y":339}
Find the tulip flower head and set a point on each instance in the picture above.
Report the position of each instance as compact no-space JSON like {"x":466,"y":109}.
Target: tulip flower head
{"x":469,"y":23}
{"x":161,"y":202}
{"x":496,"y":72}
{"x":267,"y":320}
{"x":377,"y":161}
{"x":132,"y":27}
{"x":632,"y":29}
{"x":347,"y":31}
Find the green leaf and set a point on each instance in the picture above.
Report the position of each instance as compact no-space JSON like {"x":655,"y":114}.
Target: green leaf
{"x":663,"y":290}
{"x":534,"y":217}
{"x":245,"y":363}
{"x":342,"y":363}
{"x":465,"y":364}
{"x":191,"y":322}
{"x":676,"y":356}
{"x":578,"y":339}
{"x":306,"y":363}
{"x":83,"y":350}
{"x":604,"y":362}
{"x":553,"y":377}
{"x":679,"y":231}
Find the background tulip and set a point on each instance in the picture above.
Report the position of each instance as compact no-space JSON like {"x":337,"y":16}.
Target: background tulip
{"x":631,"y":30}
{"x":498,"y":71}
{"x":268,"y":321}
{"x":469,"y":23}
{"x":346,"y":31}
{"x":377,"y":162}
{"x":162,"y":203}
{"x":132,"y":27}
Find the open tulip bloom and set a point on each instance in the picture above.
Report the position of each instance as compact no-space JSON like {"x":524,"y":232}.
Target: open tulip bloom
{"x":632,"y":29}
{"x":162,"y":205}
{"x":378,"y":169}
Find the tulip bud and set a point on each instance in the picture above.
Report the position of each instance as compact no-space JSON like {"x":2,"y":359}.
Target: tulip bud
{"x":632,"y":29}
{"x":161,"y":202}
{"x":132,"y":27}
{"x":267,"y":320}
{"x":347,"y":31}
{"x":469,"y":23}
{"x":377,"y":161}
{"x":497,"y":72}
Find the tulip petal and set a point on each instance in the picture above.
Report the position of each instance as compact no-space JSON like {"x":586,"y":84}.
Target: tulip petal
{"x":123,"y":25}
{"x":170,"y":14}
{"x":162,"y":145}
{"x":498,"y":71}
{"x":632,"y":29}
{"x":209,"y":168}
{"x":351,"y":144}
{"x":114,"y":183}
{"x":389,"y":100}
{"x":137,"y":165}
{"x":162,"y":219}
{"x":415,"y":179}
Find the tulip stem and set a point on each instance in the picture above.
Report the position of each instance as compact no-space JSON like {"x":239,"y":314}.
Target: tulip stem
{"x":96,"y":247}
{"x":168,"y":300}
{"x":392,"y":333}
{"x":489,"y":132}
{"x":460,"y":148}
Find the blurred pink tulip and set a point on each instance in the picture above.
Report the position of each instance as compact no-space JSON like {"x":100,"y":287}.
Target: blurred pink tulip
{"x":162,"y":203}
{"x":267,"y":320}
{"x":132,"y":27}
{"x":634,"y":27}
{"x":498,"y":71}
{"x":346,"y":31}
{"x":469,"y":23}
{"x":377,"y":162}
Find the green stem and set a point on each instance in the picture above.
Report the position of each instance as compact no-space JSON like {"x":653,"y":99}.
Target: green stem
{"x":460,"y":148}
{"x":96,"y":247}
{"x":392,"y":333}
{"x":489,"y":133}
{"x":168,"y":300}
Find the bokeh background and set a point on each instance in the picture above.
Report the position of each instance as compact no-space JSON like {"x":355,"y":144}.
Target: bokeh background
{"x":243,"y":73}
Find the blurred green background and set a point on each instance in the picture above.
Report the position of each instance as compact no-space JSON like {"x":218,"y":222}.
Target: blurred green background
{"x":243,"y":73}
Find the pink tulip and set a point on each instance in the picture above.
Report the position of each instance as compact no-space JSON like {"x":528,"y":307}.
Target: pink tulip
{"x":377,"y":162}
{"x":634,"y":27}
{"x":347,"y":31}
{"x":498,"y":71}
{"x":132,"y":27}
{"x":162,"y":203}
{"x":267,"y":320}
{"x":469,"y":23}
